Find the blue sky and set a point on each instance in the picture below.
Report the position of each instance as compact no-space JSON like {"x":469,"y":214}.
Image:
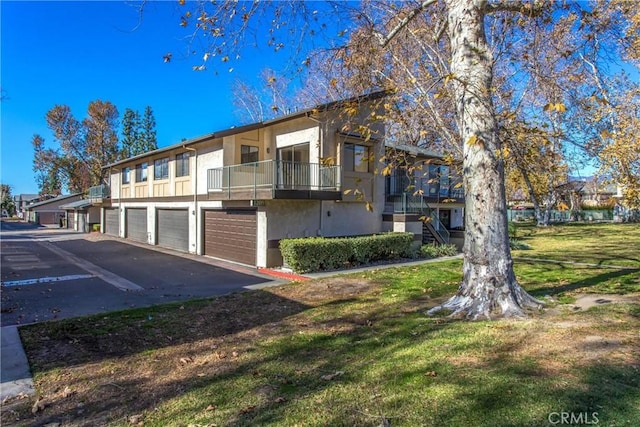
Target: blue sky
{"x":75,"y":52}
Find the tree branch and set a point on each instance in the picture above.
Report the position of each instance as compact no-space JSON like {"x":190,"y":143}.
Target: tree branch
{"x":531,"y":9}
{"x":384,"y":41}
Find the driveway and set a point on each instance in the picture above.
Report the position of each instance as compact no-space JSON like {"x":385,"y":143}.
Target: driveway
{"x":50,"y":274}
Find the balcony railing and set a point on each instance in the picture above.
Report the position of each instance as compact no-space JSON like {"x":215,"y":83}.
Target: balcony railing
{"x":417,"y":204}
{"x":99,"y":192}
{"x":274,"y":175}
{"x":436,"y":189}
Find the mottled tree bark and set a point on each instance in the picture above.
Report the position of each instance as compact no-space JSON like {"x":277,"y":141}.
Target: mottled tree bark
{"x":489,"y":287}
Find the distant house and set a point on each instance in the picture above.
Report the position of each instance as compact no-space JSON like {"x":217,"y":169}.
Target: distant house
{"x":21,"y":201}
{"x":597,"y":190}
{"x":81,"y":215}
{"x":50,"y":212}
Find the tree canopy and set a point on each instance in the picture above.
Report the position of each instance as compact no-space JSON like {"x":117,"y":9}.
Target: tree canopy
{"x":475,"y":79}
{"x":84,"y":147}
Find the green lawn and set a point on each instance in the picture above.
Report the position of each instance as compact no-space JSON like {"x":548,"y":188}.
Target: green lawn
{"x":358,"y":350}
{"x":605,"y":243}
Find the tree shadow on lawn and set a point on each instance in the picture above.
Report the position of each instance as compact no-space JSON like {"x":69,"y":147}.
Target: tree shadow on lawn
{"x":521,"y":391}
{"x":359,"y":368}
{"x":625,"y":285}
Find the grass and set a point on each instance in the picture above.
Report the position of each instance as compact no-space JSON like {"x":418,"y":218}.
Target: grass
{"x":353,"y":350}
{"x":603,"y":244}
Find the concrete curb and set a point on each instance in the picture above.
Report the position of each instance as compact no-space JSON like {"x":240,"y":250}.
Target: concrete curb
{"x":15,"y":376}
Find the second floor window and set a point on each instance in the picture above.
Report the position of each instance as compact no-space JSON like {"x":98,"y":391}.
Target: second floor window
{"x":357,"y":158}
{"x":182,"y":164}
{"x":248,"y":154}
{"x":126,"y":175}
{"x":161,"y":168}
{"x":141,"y":172}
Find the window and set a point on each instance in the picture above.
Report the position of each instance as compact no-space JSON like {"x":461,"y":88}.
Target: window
{"x":141,"y":172}
{"x":357,"y":158}
{"x":248,"y":154}
{"x":444,"y":181}
{"x":182,"y":164}
{"x":161,"y":168}
{"x":434,"y":180}
{"x":126,"y":175}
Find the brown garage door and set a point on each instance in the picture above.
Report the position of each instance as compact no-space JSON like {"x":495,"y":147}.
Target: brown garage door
{"x":231,"y":234}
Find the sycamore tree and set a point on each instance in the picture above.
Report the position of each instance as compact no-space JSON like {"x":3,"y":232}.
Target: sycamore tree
{"x":444,"y":64}
{"x":83,"y":147}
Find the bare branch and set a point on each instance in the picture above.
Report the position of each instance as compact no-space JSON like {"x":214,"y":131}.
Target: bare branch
{"x":384,"y":40}
{"x":529,"y":9}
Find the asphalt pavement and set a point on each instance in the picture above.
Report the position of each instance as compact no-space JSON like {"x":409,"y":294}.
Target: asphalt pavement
{"x":50,"y":274}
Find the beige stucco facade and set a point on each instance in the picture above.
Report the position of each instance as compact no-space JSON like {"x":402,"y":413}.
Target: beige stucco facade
{"x":319,"y":140}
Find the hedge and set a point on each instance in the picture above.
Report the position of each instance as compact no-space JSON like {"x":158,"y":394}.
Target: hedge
{"x":321,"y":253}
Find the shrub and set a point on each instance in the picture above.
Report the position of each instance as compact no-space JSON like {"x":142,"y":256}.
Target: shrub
{"x":518,"y":244}
{"x":433,"y":251}
{"x":446,"y":250}
{"x":95,"y":227}
{"x":319,"y":253}
{"x":429,"y":251}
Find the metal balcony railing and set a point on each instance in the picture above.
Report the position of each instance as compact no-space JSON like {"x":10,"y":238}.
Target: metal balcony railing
{"x":99,"y":192}
{"x":408,"y":203}
{"x":441,"y":188}
{"x":274,"y":175}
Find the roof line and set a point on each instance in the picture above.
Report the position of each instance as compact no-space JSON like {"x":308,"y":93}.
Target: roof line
{"x":253,"y":126}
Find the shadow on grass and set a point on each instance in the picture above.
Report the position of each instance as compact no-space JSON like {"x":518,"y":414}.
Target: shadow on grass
{"x":587,"y":284}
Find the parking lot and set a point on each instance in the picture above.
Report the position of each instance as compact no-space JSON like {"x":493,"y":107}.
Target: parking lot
{"x":50,"y":274}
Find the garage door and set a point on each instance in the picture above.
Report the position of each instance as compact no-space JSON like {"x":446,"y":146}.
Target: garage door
{"x":71,"y":219}
{"x":231,"y":234}
{"x":136,"y":224}
{"x":112,"y":221}
{"x":46,"y":218}
{"x":173,"y":229}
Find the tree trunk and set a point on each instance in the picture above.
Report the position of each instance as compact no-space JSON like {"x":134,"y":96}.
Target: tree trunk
{"x":489,"y":288}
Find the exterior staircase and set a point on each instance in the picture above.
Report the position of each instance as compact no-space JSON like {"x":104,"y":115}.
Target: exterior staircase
{"x":433,"y":231}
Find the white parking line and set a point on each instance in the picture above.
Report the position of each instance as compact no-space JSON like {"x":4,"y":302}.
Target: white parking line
{"x":47,"y":279}
{"x":107,"y":276}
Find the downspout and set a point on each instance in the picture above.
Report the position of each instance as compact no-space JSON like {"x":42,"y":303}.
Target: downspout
{"x":195,"y":192}
{"x":119,"y":196}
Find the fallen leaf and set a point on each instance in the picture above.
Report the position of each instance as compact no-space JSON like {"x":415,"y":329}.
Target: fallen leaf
{"x":39,"y":405}
{"x":67,"y":392}
{"x":247,"y":409}
{"x":329,"y":377}
{"x":135,"y":419}
{"x":279,"y":399}
{"x":185,"y":360}
{"x":431,"y":374}
{"x":210,"y":408}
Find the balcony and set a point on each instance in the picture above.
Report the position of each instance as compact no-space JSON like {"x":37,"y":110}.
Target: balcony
{"x":274,"y":179}
{"x":442,"y":189}
{"x":99,"y":192}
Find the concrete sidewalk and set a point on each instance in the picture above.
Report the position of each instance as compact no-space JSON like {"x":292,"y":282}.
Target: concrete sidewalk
{"x":14,"y":375}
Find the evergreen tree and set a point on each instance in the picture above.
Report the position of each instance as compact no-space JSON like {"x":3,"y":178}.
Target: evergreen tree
{"x":130,"y":133}
{"x":148,"y":131}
